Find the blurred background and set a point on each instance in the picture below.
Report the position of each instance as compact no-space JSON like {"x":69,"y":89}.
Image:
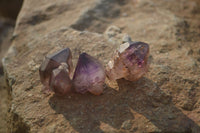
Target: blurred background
{"x":9,"y":10}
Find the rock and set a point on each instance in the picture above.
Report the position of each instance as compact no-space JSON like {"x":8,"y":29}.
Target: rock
{"x":8,"y":12}
{"x":187,"y":105}
{"x":112,"y":31}
{"x":126,"y":38}
{"x":107,"y":128}
{"x":171,"y":116}
{"x":6,"y":29}
{"x":96,"y":17}
{"x":52,"y":26}
{"x":127,"y":125}
{"x":115,"y":35}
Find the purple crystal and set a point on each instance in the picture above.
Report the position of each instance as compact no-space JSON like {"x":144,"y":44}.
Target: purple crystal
{"x":130,"y":62}
{"x":89,"y":75}
{"x":52,"y":62}
{"x":60,"y":80}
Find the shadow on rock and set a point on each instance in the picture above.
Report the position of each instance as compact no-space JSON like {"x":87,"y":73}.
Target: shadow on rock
{"x":135,"y":106}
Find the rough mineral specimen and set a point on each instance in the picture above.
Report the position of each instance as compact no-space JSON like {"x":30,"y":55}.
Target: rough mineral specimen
{"x":52,"y":62}
{"x":89,"y":75}
{"x":130,"y":61}
{"x":60,"y":81}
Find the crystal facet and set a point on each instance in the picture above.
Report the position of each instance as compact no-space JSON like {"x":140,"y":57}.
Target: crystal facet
{"x":89,"y":75}
{"x":52,"y":62}
{"x":60,"y":80}
{"x":130,"y":61}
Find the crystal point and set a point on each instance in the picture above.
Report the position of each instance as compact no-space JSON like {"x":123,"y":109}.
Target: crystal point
{"x":64,"y":55}
{"x":89,"y":75}
{"x":130,"y":61}
{"x":52,"y":62}
{"x":60,"y":80}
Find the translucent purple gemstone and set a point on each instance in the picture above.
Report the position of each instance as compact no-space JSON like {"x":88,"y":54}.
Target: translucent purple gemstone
{"x":130,"y":61}
{"x":60,"y":81}
{"x":52,"y":62}
{"x":45,"y":70}
{"x":89,"y":75}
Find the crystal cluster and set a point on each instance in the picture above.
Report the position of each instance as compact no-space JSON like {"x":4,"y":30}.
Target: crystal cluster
{"x":130,"y":61}
{"x":55,"y":70}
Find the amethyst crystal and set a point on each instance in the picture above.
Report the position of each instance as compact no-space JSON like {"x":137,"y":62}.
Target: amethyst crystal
{"x":130,"y":61}
{"x":52,"y":62}
{"x":89,"y":75}
{"x":60,"y":80}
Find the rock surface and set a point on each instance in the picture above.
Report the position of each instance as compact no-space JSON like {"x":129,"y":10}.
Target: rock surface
{"x":6,"y":30}
{"x":8,"y":12}
{"x":167,"y":99}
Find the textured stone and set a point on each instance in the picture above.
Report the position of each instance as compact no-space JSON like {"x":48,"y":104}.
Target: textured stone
{"x":44,"y":29}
